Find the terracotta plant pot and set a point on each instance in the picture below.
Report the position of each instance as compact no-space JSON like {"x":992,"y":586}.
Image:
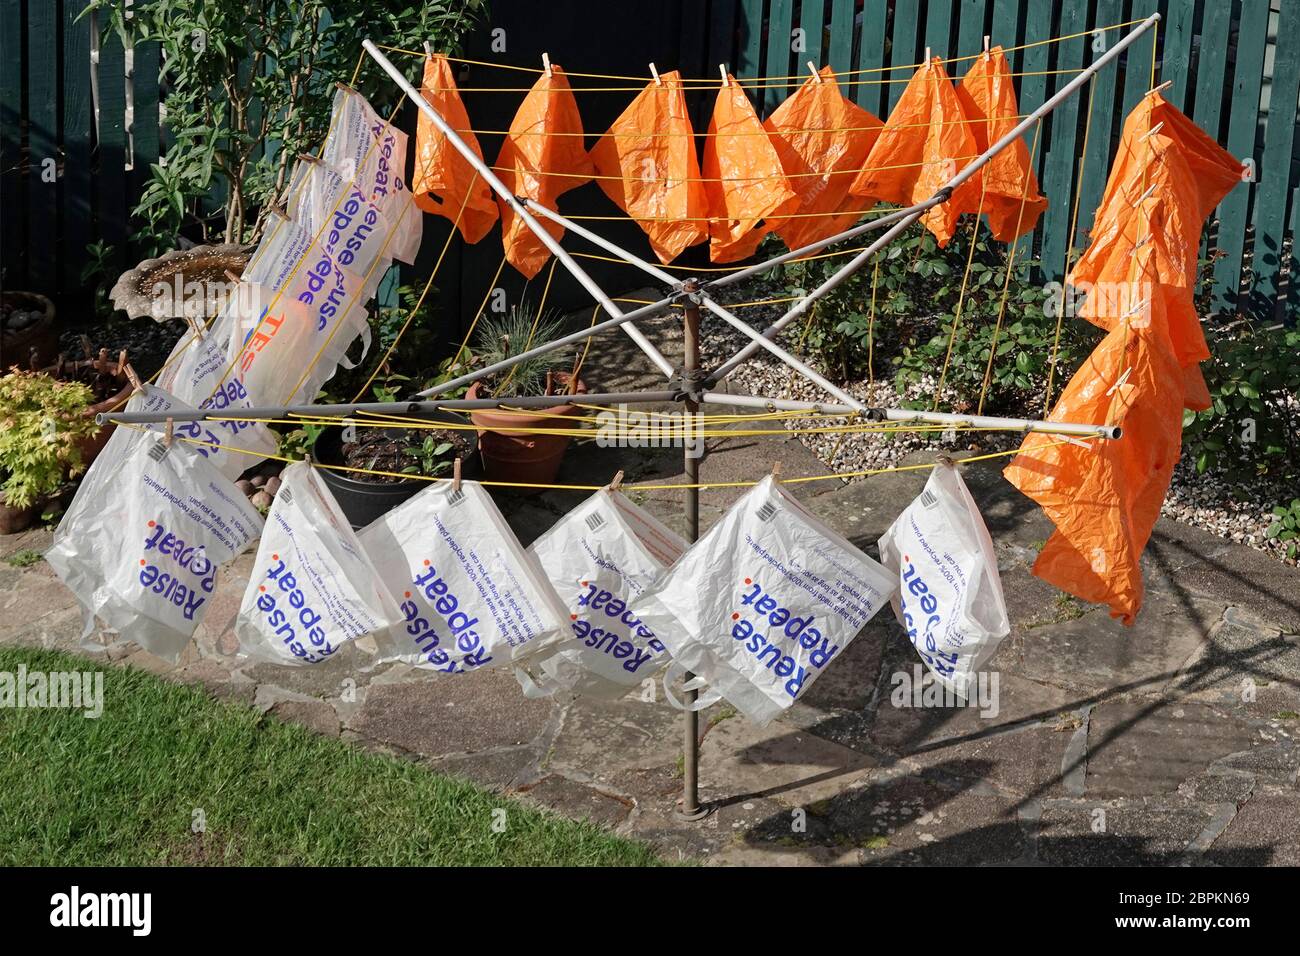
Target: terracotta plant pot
{"x":521,"y":456}
{"x":92,"y":445}
{"x":13,"y":520}
{"x":17,"y":344}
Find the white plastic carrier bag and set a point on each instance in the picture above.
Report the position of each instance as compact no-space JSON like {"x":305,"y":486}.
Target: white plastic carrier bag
{"x":142,"y":541}
{"x":764,"y":602}
{"x":371,"y":153}
{"x":601,"y":557}
{"x":313,"y":588}
{"x":470,"y":596}
{"x":950,"y":595}
{"x":349,"y":225}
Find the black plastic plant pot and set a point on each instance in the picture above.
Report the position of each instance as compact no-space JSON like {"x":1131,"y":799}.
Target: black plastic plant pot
{"x":363,"y":501}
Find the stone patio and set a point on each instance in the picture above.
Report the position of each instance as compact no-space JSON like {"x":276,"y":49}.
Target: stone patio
{"x":1171,"y":742}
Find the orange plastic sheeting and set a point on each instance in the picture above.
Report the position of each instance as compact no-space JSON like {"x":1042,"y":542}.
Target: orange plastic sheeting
{"x":543,"y":156}
{"x":650,"y":153}
{"x":743,"y":178}
{"x":822,"y":140}
{"x":443,"y":177}
{"x":1105,"y":498}
{"x":988,"y":99}
{"x":926,"y":141}
{"x":1167,"y":177}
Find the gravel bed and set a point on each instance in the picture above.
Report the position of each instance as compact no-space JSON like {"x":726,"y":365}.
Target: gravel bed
{"x":1204,"y":501}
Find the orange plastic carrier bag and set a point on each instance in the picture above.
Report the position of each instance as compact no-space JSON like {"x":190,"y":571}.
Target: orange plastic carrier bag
{"x":743,"y":177}
{"x":542,"y":158}
{"x":445,"y":183}
{"x":647,"y":166}
{"x":926,"y":141}
{"x":822,"y":140}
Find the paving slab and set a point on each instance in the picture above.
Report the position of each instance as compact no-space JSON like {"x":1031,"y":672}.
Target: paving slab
{"x":439,"y":718}
{"x":1111,"y":834}
{"x":1264,"y":831}
{"x":1141,"y":748}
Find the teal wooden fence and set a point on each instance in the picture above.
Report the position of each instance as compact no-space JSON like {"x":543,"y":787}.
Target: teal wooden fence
{"x":1235,"y":67}
{"x":79,"y":115}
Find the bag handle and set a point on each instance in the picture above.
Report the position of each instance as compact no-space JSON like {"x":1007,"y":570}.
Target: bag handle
{"x":536,"y":689}
{"x":710,"y":697}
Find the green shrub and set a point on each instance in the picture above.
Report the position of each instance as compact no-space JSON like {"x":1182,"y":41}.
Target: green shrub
{"x":916,"y":295}
{"x":1249,"y":432}
{"x":42,"y":424}
{"x":1286,"y":527}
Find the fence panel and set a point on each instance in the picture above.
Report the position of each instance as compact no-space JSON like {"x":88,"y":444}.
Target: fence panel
{"x":1221,"y":56}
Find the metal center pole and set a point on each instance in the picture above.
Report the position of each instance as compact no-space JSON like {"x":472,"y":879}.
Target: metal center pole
{"x":691,"y":809}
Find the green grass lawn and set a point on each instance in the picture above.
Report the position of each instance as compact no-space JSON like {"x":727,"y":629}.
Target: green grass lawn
{"x":124,"y":789}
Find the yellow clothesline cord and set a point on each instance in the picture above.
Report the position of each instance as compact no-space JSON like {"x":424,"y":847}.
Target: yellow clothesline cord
{"x":667,"y":486}
{"x":778,"y":85}
{"x":1069,"y":243}
{"x":733,"y":179}
{"x":654,"y":134}
{"x":537,"y":318}
{"x":481,"y":309}
{"x":1006,"y":281}
{"x":683,"y":428}
{"x":415,"y":309}
{"x":800,"y":76}
{"x":965,"y":277}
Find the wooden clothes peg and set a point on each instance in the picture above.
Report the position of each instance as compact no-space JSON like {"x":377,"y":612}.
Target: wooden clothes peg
{"x":455,"y":475}
{"x":168,"y":433}
{"x":616,"y":483}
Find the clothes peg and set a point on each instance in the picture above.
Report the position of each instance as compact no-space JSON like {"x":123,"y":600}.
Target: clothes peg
{"x":987,"y":54}
{"x":195,"y":326}
{"x":655,"y":74}
{"x":428,"y":50}
{"x":232,"y":277}
{"x":943,"y":458}
{"x":722,"y":68}
{"x":121,"y":362}
{"x":455,"y":475}
{"x":1161,"y":88}
{"x":1119,"y":382}
{"x":616,"y":483}
{"x":1151,"y":132}
{"x":168,"y":433}
{"x":546,"y":62}
{"x":812,"y":68}
{"x":136,"y":385}
{"x":1145,"y":196}
{"x":928,"y":64}
{"x":776,"y":469}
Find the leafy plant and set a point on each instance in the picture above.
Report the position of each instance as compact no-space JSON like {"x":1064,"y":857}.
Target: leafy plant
{"x":244,"y":74}
{"x":1286,"y":527}
{"x":1249,"y":431}
{"x":502,"y":337}
{"x":916,"y":290}
{"x":24,"y":558}
{"x":42,"y":423}
{"x":297,"y":444}
{"x":431,"y":456}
